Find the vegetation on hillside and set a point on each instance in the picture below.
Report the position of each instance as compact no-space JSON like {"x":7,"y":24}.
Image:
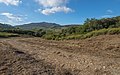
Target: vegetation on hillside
{"x":109,"y":31}
{"x":91,"y":27}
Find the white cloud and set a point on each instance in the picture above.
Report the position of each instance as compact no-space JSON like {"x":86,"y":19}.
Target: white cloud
{"x":53,"y":6}
{"x":53,"y":10}
{"x":51,"y":3}
{"x":109,"y":12}
{"x":11,"y":2}
{"x":12,"y":17}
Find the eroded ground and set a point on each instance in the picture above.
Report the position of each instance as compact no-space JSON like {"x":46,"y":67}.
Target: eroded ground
{"x":34,"y":56}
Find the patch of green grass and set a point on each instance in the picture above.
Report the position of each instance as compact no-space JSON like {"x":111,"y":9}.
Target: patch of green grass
{"x":6,"y":35}
{"x":110,"y":31}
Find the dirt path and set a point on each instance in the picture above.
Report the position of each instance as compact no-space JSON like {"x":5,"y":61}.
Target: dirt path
{"x":94,"y":56}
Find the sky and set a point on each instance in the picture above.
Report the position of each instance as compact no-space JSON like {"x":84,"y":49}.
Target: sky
{"x":17,"y":12}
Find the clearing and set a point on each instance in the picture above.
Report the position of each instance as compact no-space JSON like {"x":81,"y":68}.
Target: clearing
{"x":34,"y":56}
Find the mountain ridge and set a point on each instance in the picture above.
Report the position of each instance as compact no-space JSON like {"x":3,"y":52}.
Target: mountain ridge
{"x":5,"y":26}
{"x":39,"y":25}
{"x":43,"y":25}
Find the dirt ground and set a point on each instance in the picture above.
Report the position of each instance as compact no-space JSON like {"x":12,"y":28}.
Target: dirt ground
{"x":34,"y":56}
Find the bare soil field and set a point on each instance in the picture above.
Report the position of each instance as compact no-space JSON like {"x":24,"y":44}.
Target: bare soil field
{"x":34,"y":56}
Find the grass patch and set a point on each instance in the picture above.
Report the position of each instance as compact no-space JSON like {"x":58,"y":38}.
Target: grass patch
{"x":73,"y":37}
{"x":110,"y":31}
{"x":6,"y":35}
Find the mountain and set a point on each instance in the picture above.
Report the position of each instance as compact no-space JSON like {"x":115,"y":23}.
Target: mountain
{"x":42,"y":25}
{"x":5,"y":26}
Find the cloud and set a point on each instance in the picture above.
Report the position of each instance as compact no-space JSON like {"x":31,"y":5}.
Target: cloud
{"x":12,"y":17}
{"x":53,"y":6}
{"x":51,"y":3}
{"x":11,"y":2}
{"x":109,"y":12}
{"x":53,"y":10}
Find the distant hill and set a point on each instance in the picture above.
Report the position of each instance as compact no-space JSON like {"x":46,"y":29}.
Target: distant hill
{"x":42,"y":25}
{"x":5,"y":26}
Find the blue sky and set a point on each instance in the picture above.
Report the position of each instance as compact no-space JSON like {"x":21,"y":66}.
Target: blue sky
{"x":16,"y":12}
